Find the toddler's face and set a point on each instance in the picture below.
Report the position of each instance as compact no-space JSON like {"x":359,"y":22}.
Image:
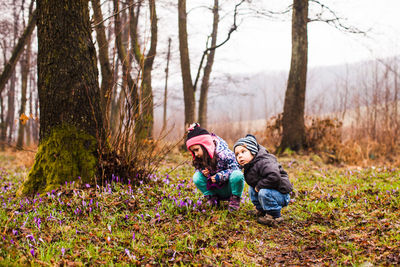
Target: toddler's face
{"x":243,"y":155}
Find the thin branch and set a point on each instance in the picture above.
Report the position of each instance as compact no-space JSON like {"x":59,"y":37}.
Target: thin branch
{"x":335,"y":21}
{"x":116,"y":13}
{"x":231,"y":30}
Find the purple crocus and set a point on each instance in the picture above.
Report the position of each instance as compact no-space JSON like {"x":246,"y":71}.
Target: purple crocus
{"x":32,"y":252}
{"x":62,"y":251}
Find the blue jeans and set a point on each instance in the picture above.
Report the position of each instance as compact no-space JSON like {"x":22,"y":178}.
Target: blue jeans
{"x":268,"y":199}
{"x":234,"y":186}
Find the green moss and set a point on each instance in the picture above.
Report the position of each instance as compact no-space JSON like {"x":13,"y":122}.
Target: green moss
{"x":65,"y":155}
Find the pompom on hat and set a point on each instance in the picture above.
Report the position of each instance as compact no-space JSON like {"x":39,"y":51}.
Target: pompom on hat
{"x":199,"y":136}
{"x":250,"y":142}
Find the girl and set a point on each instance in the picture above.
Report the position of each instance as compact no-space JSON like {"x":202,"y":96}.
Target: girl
{"x":217,"y":173}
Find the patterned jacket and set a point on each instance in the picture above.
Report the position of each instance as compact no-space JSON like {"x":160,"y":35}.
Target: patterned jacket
{"x":226,"y":164}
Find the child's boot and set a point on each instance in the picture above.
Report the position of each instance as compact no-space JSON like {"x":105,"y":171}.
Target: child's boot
{"x":271,"y":218}
{"x":234,"y":203}
{"x":267,"y":220}
{"x":255,"y":213}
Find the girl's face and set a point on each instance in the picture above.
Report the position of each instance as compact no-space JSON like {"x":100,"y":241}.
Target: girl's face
{"x":197,"y":151}
{"x":243,"y":155}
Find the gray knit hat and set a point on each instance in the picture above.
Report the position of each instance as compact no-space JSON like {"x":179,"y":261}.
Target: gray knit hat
{"x":250,"y":142}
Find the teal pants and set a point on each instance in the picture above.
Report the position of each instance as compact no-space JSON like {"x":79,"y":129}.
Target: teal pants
{"x":233,"y":187}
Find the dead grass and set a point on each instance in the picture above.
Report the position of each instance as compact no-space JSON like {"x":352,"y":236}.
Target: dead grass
{"x":16,"y":159}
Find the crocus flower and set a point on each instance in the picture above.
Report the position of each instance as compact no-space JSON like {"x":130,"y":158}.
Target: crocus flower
{"x":62,"y":251}
{"x":32,"y":252}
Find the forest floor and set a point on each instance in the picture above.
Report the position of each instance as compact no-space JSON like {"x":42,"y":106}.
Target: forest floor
{"x":339,"y":216}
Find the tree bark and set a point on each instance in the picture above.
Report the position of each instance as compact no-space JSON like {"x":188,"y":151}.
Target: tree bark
{"x":2,"y":125}
{"x":146,"y":120}
{"x":125,"y":62}
{"x":188,"y":90}
{"x":205,"y":84}
{"x":105,"y":67}
{"x":164,"y":126}
{"x":293,"y":112}
{"x":71,"y":126}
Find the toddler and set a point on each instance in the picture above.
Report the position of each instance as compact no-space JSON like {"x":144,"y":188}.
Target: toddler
{"x":269,"y":184}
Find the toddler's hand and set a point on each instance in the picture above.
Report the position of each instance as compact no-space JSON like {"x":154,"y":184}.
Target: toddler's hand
{"x":206,"y":172}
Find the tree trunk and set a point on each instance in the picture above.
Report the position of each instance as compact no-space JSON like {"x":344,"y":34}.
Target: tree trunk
{"x":71,"y":126}
{"x":293,"y":136}
{"x":2,"y":125}
{"x":188,"y":90}
{"x":11,"y":108}
{"x":205,"y":84}
{"x":23,"y":118}
{"x":164,"y":126}
{"x":144,"y":127}
{"x":125,"y":61}
{"x":105,"y":67}
{"x":115,"y":101}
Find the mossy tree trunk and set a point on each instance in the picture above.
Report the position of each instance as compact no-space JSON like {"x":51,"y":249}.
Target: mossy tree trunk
{"x":71,"y":126}
{"x":293,"y":135}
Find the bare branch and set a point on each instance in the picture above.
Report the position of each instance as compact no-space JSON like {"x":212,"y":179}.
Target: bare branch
{"x":231,"y":30}
{"x":335,"y":20}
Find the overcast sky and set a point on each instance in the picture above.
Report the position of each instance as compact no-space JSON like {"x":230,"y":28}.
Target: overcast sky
{"x":262,"y":44}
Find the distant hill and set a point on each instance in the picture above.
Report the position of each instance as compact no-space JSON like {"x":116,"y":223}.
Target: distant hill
{"x":257,"y":96}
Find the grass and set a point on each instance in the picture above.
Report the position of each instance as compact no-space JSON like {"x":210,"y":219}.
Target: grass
{"x":339,"y":216}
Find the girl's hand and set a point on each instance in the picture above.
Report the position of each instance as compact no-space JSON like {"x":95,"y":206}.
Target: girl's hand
{"x":205,"y":172}
{"x":213,"y":179}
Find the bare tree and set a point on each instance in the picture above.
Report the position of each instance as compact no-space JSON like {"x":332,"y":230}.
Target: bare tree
{"x":107,"y":80}
{"x":205,"y":84}
{"x":144,"y":129}
{"x":189,"y":88}
{"x":188,"y":91}
{"x":164,"y":126}
{"x":293,"y":135}
{"x":17,"y":52}
{"x":25,"y":67}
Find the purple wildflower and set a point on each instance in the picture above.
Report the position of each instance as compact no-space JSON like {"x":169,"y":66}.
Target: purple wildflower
{"x":87,"y":185}
{"x":32,"y":252}
{"x":62,"y":251}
